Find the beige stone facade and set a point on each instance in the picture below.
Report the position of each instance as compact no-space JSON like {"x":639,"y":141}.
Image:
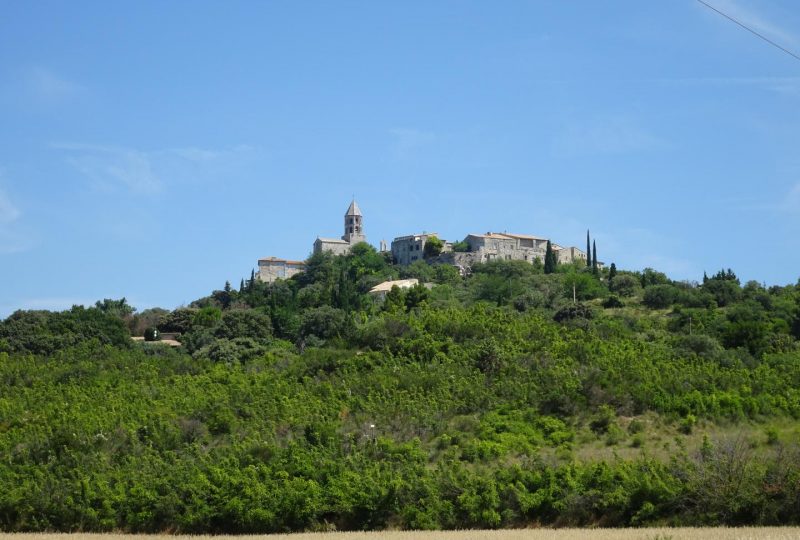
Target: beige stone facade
{"x":407,"y":249}
{"x":273,"y":268}
{"x":483,"y":248}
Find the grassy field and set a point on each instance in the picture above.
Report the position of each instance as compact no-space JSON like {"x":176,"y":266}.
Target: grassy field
{"x":715,"y":533}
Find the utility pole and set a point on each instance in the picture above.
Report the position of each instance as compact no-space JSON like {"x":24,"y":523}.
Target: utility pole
{"x":574,"y":298}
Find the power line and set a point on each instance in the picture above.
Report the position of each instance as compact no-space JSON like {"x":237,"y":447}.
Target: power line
{"x":787,"y":51}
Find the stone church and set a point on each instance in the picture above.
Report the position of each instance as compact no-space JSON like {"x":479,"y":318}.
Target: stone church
{"x":353,"y":233}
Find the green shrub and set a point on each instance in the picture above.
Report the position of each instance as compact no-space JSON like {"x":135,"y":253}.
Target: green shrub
{"x":152,"y":334}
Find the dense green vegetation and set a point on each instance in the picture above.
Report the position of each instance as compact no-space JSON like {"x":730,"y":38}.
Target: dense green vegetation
{"x":477,"y":402}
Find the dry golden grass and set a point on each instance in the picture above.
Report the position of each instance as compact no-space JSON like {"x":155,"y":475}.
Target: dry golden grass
{"x":710,"y":533}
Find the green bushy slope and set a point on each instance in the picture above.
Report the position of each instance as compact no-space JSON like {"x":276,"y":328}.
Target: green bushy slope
{"x":480,"y":402}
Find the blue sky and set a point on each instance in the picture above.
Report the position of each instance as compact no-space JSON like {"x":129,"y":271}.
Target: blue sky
{"x":153,"y":150}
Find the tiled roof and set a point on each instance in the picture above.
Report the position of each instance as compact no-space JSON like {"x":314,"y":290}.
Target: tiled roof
{"x":332,"y":240}
{"x":277,"y":260}
{"x":526,"y":236}
{"x":386,"y":286}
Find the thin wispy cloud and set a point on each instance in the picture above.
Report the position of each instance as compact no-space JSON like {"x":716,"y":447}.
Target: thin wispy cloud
{"x":792,"y":201}
{"x":45,"y":86}
{"x":633,"y":248}
{"x":612,"y":134}
{"x":8,"y":212}
{"x":12,"y":238}
{"x":145,"y":172}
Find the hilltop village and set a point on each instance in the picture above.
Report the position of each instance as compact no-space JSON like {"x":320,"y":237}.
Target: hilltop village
{"x":473,"y":249}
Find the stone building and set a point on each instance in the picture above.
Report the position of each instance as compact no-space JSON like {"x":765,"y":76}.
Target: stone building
{"x":382,"y":289}
{"x":407,"y":249}
{"x":505,"y":246}
{"x":353,"y":233}
{"x":273,"y":268}
{"x":483,"y":248}
{"x":570,"y":254}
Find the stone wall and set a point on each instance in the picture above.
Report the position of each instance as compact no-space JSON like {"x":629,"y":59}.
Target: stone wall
{"x":407,"y":249}
{"x":335,"y":247}
{"x":271,"y":269}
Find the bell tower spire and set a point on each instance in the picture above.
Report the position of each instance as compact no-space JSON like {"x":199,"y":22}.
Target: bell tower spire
{"x":353,"y":224}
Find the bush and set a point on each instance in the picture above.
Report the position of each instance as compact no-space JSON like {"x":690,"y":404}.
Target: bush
{"x":612,"y":302}
{"x":624,"y":285}
{"x":151,"y":334}
{"x":461,"y":247}
{"x":574,"y":312}
{"x":687,"y":424}
{"x":660,"y":296}
{"x":244,"y":324}
{"x":325,"y":322}
{"x":433,"y":247}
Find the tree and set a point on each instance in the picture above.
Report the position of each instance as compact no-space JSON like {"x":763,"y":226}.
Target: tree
{"x":395,"y":299}
{"x":151,"y":334}
{"x":594,"y":257}
{"x":325,"y":322}
{"x":207,"y":317}
{"x":588,"y":250}
{"x":433,"y":247}
{"x":660,"y":296}
{"x":119,"y":308}
{"x":549,"y":259}
{"x":252,"y":283}
{"x":179,"y":321}
{"x":416,"y":296}
{"x":624,"y":285}
{"x":461,"y":247}
{"x":612,"y":273}
{"x":244,"y":323}
{"x":653,"y":277}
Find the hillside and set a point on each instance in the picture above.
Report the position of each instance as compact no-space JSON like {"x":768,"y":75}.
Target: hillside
{"x":492,"y":400}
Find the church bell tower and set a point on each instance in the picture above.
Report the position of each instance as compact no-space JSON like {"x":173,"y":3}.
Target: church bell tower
{"x":353,"y":225}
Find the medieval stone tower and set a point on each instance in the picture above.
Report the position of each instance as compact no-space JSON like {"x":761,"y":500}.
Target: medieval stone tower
{"x":353,"y":225}
{"x":353,"y":233}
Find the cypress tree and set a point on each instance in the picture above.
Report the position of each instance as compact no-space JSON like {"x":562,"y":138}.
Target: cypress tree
{"x":594,"y":257}
{"x":588,"y":250}
{"x":252,"y":282}
{"x":612,"y":272}
{"x":549,"y":259}
{"x":241,"y":286}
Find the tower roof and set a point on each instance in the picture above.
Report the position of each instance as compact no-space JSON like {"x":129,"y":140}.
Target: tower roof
{"x":353,"y":209}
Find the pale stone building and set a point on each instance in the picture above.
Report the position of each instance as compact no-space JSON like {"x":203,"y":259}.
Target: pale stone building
{"x":483,"y":248}
{"x":272,"y":268}
{"x":505,"y":246}
{"x":353,"y":233}
{"x":407,"y":249}
{"x":380,"y":290}
{"x":570,"y":254}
